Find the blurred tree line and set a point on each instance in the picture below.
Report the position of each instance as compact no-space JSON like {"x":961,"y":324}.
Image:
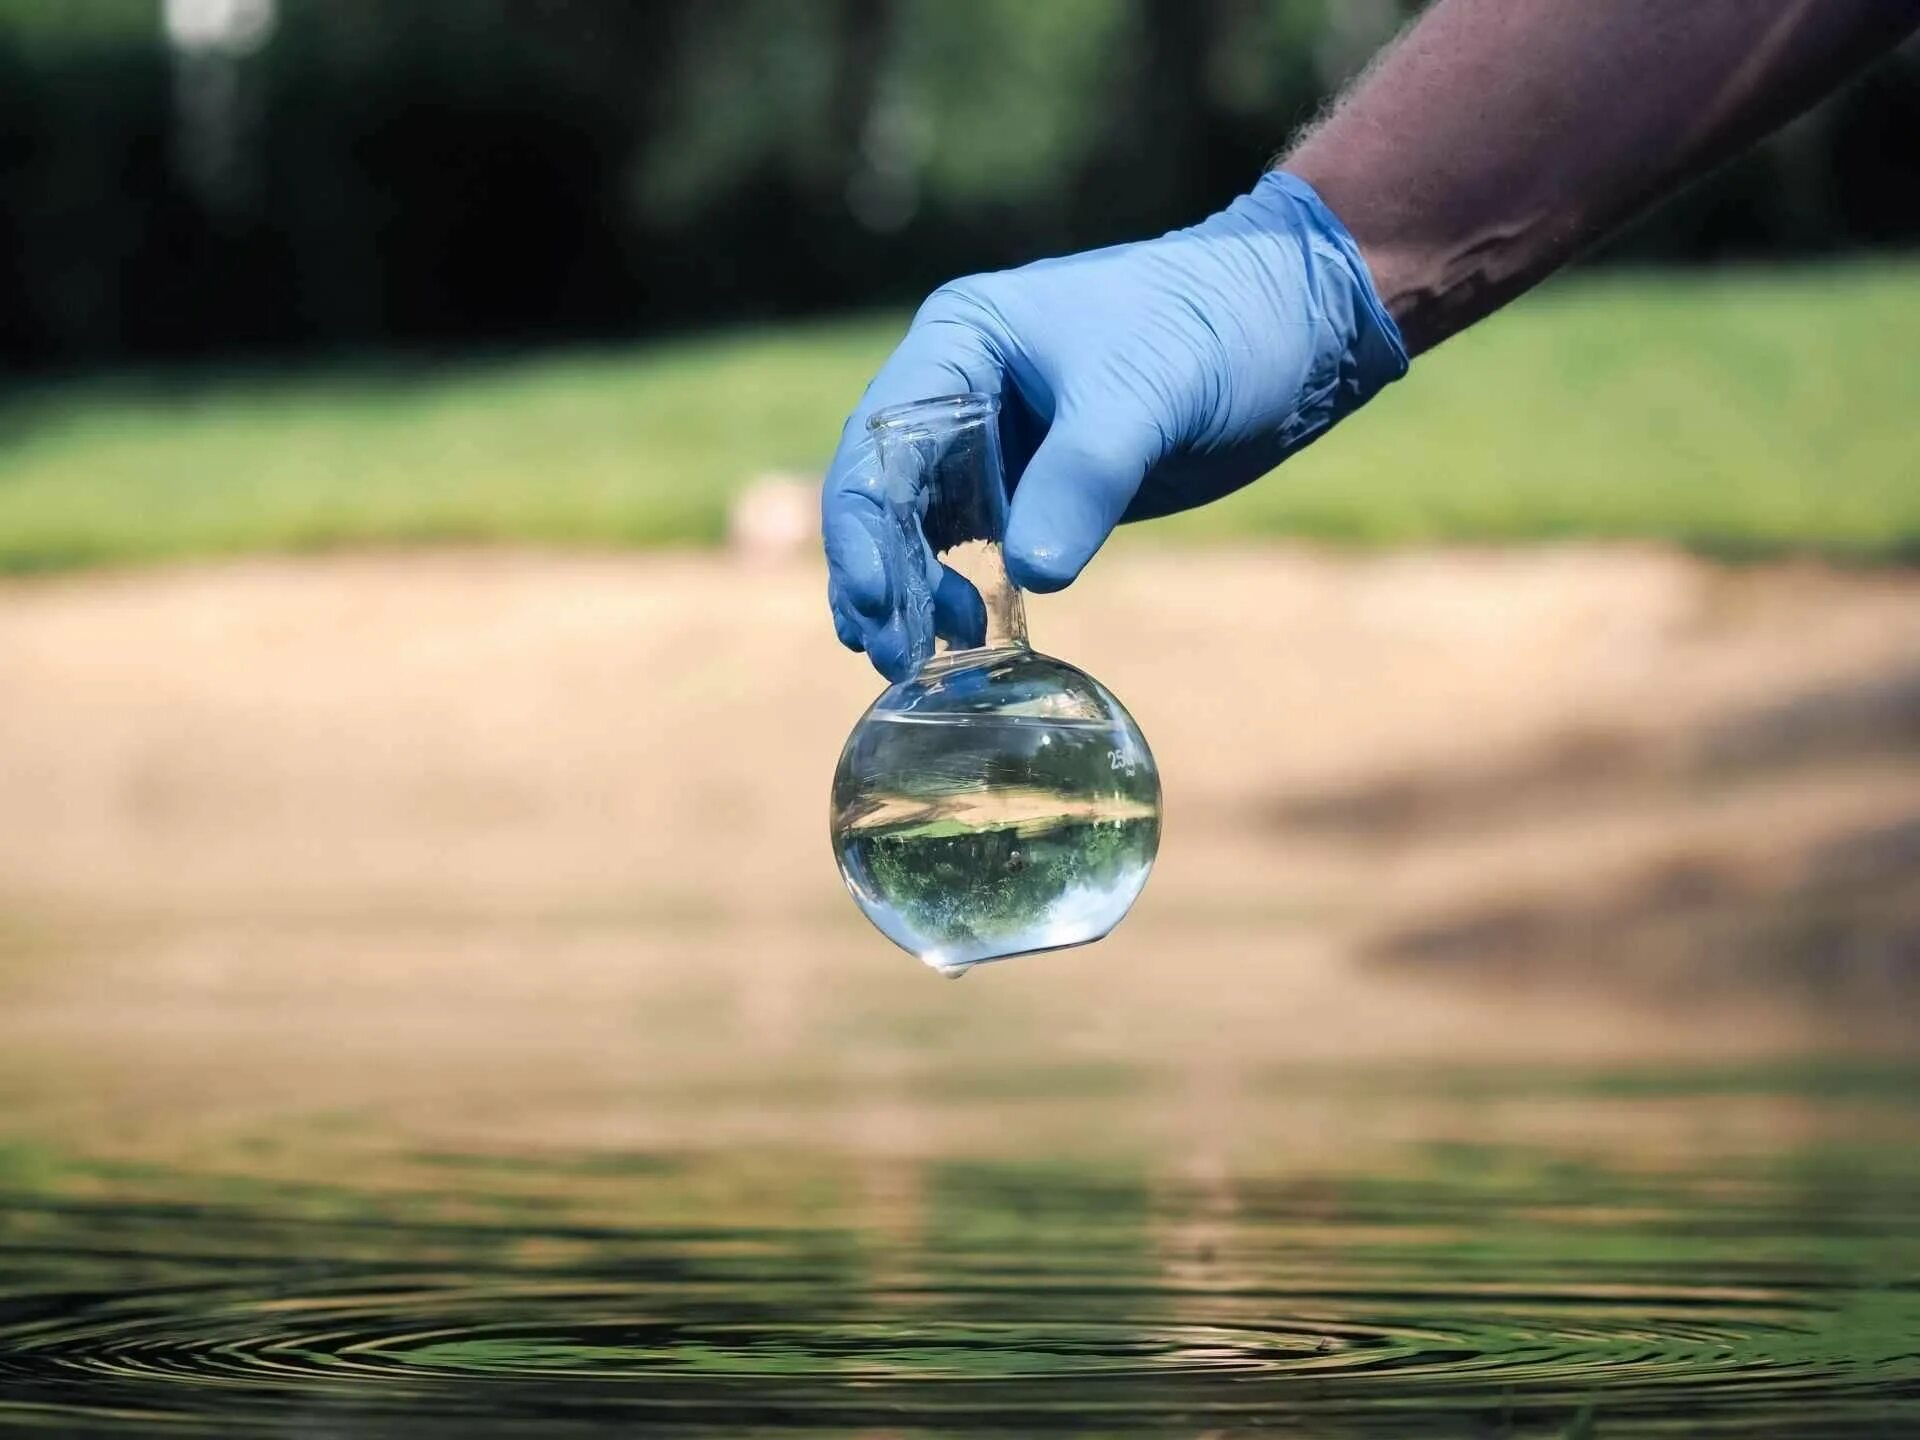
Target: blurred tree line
{"x":202,"y":176}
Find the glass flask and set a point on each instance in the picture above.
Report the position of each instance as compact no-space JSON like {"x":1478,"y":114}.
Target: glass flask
{"x":999,"y":801}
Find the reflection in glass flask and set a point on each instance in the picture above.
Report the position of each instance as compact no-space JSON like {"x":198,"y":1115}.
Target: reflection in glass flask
{"x":999,"y":801}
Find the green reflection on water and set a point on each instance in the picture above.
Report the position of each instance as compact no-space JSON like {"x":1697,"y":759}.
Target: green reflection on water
{"x":1371,"y":1253}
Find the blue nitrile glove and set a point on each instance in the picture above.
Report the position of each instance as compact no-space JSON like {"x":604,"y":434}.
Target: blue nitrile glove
{"x":1134,"y":381}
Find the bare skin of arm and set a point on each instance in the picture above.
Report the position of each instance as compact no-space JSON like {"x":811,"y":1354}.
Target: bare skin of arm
{"x":1497,"y":138}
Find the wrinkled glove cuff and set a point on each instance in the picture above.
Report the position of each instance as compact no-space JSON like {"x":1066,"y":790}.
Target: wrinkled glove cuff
{"x":1372,"y":353}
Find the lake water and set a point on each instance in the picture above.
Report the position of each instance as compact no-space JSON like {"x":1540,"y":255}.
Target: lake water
{"x":1338,"y":1250}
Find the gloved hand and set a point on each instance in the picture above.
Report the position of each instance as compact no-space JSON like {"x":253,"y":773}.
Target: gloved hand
{"x":1134,"y":382}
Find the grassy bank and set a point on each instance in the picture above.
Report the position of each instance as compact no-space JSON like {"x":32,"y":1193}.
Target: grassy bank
{"x":1746,"y":413}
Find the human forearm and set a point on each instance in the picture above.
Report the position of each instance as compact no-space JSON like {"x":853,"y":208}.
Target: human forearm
{"x":1496,"y":139}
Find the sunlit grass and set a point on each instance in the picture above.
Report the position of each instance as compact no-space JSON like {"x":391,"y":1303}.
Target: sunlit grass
{"x":1746,"y":413}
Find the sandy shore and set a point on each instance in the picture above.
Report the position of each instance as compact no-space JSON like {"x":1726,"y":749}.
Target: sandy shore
{"x":1517,"y":804}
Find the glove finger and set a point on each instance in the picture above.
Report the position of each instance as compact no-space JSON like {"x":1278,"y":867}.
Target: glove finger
{"x":892,"y":594}
{"x":959,"y":614}
{"x":1074,"y":491}
{"x":882,"y":574}
{"x":892,"y":651}
{"x":846,"y":625}
{"x":939,"y":357}
{"x":856,"y":561}
{"x":942,"y":354}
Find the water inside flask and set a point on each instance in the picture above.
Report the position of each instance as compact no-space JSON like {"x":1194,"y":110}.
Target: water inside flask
{"x":999,"y":801}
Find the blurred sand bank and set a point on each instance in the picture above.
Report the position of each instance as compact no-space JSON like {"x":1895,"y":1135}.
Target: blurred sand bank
{"x":1527,"y":804}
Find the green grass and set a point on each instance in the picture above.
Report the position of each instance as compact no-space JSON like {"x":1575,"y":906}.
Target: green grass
{"x":1743,"y":414}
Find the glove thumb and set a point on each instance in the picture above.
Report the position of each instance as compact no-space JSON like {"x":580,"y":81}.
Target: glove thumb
{"x":1072,"y":494}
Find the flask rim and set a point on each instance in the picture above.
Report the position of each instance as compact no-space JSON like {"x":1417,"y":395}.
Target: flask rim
{"x":935,"y":414}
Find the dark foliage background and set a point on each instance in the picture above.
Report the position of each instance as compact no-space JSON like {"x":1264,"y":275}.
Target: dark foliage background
{"x":210,"y":176}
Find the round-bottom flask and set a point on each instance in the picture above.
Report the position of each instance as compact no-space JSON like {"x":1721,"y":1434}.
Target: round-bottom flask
{"x":999,"y":801}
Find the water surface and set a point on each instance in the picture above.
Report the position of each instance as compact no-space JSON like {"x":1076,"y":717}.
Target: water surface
{"x":1361,"y":1251}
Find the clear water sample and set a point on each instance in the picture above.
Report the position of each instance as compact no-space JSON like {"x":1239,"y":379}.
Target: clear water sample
{"x":999,"y":801}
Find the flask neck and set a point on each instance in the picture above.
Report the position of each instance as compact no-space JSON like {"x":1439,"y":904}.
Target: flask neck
{"x":940,"y":470}
{"x":983,"y":565}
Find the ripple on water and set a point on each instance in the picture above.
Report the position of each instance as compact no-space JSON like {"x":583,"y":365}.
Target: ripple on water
{"x":1448,"y":1292}
{"x":1357,"y":1361}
